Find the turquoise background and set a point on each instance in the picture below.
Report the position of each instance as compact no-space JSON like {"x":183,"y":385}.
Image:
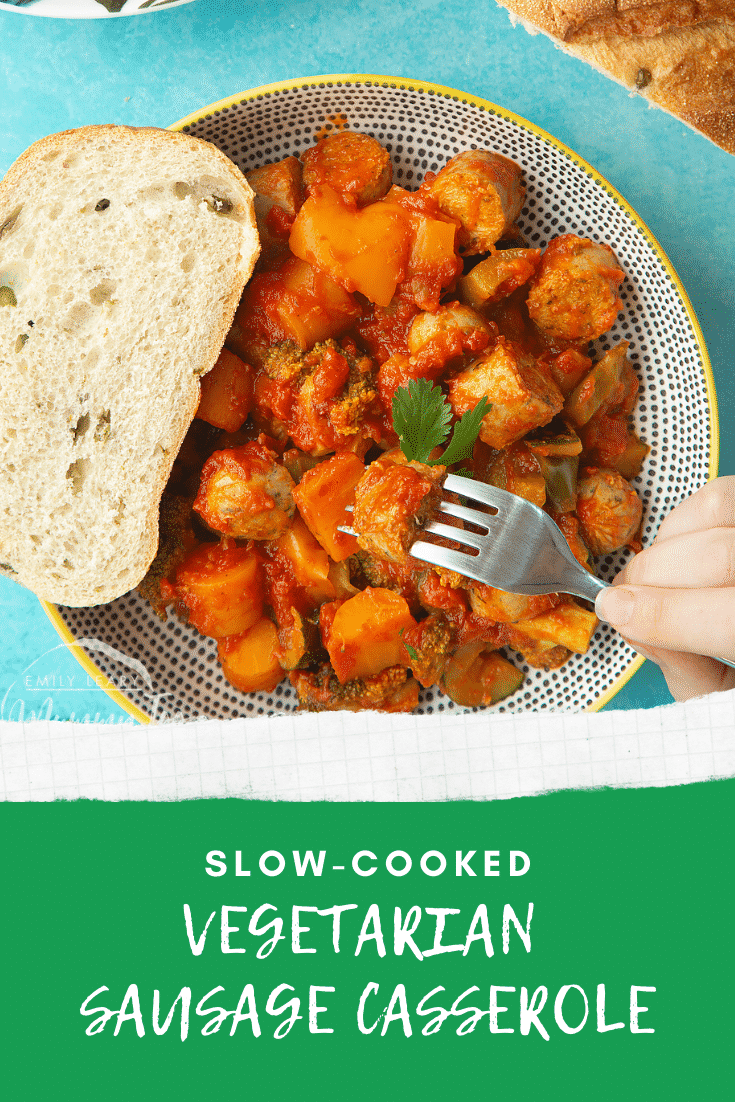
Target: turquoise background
{"x":154,"y":69}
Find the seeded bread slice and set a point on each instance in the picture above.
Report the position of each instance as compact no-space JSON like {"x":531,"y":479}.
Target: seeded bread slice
{"x":123,"y":255}
{"x":679,"y":54}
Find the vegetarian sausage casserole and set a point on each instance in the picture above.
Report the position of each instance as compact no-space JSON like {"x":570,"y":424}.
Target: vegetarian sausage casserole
{"x":377,"y":320}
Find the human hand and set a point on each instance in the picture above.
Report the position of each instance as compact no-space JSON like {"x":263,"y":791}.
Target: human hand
{"x":675,"y":601}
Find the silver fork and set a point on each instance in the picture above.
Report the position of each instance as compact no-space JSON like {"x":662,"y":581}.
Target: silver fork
{"x":521,"y":549}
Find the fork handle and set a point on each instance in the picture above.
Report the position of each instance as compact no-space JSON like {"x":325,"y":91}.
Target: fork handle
{"x":586,"y":585}
{"x":596,"y":585}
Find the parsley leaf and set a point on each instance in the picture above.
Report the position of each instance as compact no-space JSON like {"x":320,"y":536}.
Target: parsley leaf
{"x":465,"y":433}
{"x":421,"y":417}
{"x":412,"y":653}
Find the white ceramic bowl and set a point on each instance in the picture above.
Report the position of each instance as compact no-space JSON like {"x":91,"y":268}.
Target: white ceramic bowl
{"x":169,"y":669}
{"x":88,"y":9}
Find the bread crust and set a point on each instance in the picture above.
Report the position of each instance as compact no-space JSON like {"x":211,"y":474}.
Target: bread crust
{"x":576,"y":20}
{"x":106,"y":148}
{"x":679,"y":54}
{"x":689,"y":71}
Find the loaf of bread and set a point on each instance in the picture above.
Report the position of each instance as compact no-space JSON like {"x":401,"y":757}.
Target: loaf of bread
{"x":680,"y":54}
{"x":123,"y":255}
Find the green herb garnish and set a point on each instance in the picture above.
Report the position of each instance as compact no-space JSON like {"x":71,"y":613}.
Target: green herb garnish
{"x":412,"y":654}
{"x":422,"y":416}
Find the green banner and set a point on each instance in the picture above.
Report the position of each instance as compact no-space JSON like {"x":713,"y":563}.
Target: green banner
{"x":570,"y":946}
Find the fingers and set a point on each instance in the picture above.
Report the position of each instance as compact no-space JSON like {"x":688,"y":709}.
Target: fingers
{"x":699,"y":621}
{"x":711,"y":507}
{"x":695,"y":675}
{"x":689,"y":675}
{"x":688,"y":561}
{"x":685,"y":627}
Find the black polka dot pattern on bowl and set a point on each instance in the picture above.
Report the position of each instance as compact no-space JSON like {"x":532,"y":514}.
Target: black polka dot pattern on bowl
{"x":423,"y":128}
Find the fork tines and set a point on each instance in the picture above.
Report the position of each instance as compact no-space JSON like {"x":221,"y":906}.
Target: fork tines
{"x":469,"y":564}
{"x":478,"y":491}
{"x":468,"y":488}
{"x":483,"y":521}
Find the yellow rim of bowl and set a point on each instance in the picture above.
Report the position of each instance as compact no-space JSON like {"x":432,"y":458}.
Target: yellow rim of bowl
{"x":405,"y":84}
{"x":91,"y":667}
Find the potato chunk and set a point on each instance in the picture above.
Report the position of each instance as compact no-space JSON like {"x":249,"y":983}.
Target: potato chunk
{"x":365,"y":250}
{"x":221,"y":589}
{"x":245,"y":493}
{"x":568,"y":625}
{"x":520,"y":397}
{"x":485,"y":192}
{"x":609,"y":510}
{"x":351,"y":164}
{"x":363,"y":635}
{"x":322,"y":497}
{"x":227,"y":393}
{"x":393,"y":501}
{"x":574,"y":294}
{"x":307,"y":560}
{"x":249,"y":661}
{"x":293,"y":303}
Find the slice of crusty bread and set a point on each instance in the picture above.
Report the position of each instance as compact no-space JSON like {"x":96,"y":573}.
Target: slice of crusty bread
{"x":577,"y":20}
{"x":679,"y":54}
{"x":123,"y":255}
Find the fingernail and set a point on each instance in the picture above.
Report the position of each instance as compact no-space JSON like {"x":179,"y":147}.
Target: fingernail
{"x":615,"y":605}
